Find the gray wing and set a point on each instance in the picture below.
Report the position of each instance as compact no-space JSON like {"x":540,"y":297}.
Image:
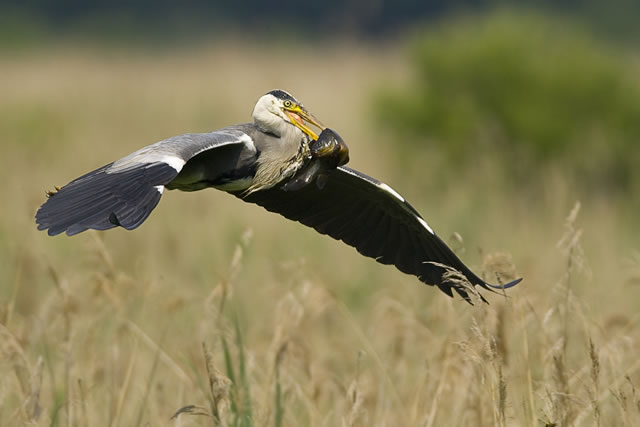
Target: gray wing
{"x":370,"y":216}
{"x":124,"y":193}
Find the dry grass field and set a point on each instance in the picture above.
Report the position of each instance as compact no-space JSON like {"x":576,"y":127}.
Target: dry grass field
{"x":216,"y":312}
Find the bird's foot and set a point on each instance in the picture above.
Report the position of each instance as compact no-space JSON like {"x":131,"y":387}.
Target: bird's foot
{"x":51,"y":193}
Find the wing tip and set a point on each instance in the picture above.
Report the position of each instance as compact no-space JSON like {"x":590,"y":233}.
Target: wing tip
{"x":464,"y":291}
{"x":511,"y":284}
{"x":103,"y":201}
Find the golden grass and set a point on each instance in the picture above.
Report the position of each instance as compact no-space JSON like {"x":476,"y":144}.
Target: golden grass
{"x":218,"y":313}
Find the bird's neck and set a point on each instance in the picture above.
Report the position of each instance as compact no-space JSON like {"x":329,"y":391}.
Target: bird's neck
{"x":281,"y":159}
{"x":272,"y":124}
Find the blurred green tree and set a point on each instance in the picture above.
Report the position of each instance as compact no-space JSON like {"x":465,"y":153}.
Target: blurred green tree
{"x":526,"y":89}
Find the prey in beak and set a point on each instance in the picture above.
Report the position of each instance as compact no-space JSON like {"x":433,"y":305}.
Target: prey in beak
{"x":327,"y":153}
{"x":299,"y":117}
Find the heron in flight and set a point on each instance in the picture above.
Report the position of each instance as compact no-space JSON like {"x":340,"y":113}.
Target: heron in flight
{"x":279,"y":163}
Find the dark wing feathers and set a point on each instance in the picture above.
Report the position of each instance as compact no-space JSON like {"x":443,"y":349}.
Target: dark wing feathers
{"x":124,"y":193}
{"x":102,"y":200}
{"x":374,"y":219}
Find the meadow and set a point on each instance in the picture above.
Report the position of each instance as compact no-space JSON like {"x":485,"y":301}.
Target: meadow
{"x":216,"y":312}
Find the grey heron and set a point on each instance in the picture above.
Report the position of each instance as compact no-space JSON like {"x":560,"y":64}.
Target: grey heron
{"x":279,"y":163}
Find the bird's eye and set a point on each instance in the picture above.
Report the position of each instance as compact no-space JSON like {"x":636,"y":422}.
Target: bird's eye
{"x":287,"y":103}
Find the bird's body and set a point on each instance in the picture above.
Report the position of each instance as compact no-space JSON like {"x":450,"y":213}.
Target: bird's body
{"x":269,"y":162}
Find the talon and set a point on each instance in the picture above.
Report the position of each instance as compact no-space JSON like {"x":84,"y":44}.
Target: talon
{"x":50,"y":193}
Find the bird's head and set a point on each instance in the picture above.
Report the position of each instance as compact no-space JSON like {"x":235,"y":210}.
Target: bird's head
{"x":277,"y":110}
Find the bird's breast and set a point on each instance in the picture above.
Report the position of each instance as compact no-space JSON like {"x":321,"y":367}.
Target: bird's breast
{"x":240,"y":184}
{"x":276,"y":164}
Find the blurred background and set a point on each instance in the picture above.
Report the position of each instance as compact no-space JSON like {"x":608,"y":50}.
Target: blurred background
{"x":514,"y":130}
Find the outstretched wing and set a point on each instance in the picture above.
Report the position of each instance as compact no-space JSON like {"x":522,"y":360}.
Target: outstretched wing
{"x":373,"y":218}
{"x":124,"y":193}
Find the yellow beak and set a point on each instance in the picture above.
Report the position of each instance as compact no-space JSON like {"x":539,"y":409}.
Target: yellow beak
{"x":299,"y":116}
